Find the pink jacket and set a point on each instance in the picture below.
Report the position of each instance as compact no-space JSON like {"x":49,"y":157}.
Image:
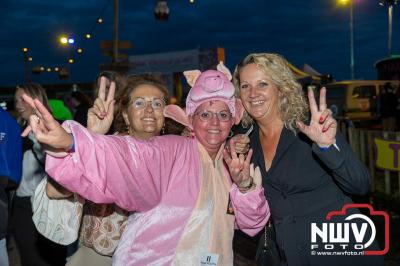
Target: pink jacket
{"x":179,"y":194}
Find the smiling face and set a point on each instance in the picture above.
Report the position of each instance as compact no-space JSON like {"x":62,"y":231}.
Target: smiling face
{"x":208,"y":127}
{"x":145,"y":116}
{"x":22,"y":107}
{"x":258,"y":93}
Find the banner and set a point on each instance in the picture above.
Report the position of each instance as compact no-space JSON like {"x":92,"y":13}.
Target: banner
{"x":164,"y":62}
{"x":387,"y":154}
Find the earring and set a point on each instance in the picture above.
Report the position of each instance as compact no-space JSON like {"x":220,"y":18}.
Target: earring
{"x":128,"y":129}
{"x":230,"y":134}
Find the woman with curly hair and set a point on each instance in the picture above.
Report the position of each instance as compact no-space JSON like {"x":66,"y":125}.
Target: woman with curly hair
{"x":308,"y":168}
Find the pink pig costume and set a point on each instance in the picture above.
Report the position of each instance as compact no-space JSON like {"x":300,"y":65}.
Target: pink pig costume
{"x":179,"y":194}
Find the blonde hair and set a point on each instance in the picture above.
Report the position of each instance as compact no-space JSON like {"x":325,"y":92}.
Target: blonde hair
{"x":292,"y":104}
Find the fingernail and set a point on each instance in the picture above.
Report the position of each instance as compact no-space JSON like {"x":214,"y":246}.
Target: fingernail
{"x":321,"y":119}
{"x":323,"y":130}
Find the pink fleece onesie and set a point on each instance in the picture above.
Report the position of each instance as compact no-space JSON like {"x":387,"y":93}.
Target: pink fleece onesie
{"x":179,"y":193}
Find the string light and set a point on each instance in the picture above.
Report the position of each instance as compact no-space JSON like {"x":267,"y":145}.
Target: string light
{"x":65,"y":40}
{"x":25,"y":50}
{"x":161,"y":11}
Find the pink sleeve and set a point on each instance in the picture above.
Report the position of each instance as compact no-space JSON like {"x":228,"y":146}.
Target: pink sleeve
{"x":104,"y":169}
{"x":251,"y":209}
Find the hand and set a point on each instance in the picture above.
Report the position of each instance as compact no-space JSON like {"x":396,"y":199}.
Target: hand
{"x":239,"y":166}
{"x":101,"y":115}
{"x":45,"y":128}
{"x":255,"y":173}
{"x":323,"y":127}
{"x":241,"y":142}
{"x":187,"y":132}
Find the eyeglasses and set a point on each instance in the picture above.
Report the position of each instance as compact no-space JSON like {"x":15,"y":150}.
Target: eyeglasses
{"x":223,"y":116}
{"x":141,"y":103}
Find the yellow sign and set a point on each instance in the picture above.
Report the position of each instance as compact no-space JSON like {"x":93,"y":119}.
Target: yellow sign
{"x":387,"y":154}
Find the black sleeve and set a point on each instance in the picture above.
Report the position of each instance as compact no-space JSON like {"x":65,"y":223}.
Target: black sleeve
{"x":349,"y":172}
{"x":80,"y":115}
{"x":239,"y":129}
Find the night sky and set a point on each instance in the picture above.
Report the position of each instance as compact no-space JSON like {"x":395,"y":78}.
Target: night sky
{"x":309,"y":31}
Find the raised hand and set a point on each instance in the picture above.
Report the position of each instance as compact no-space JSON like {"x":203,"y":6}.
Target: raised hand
{"x":239,"y":167}
{"x":187,"y":132}
{"x":323,"y":127}
{"x":46,"y":129}
{"x":241,"y":142}
{"x":101,"y":115}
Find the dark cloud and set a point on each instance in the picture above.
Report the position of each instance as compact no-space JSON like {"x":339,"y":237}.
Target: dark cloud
{"x":314,"y":32}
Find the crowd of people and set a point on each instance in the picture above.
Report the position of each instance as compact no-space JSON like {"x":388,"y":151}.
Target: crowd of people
{"x":254,"y":153}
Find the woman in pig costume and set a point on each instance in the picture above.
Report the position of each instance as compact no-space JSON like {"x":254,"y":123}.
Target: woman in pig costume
{"x":179,"y":187}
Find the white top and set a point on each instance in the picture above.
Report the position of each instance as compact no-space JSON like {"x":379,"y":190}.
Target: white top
{"x":32,"y":171}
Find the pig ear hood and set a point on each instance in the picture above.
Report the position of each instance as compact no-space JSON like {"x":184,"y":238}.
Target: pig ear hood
{"x":211,"y":85}
{"x":176,"y":113}
{"x":191,"y":76}
{"x":222,"y":68}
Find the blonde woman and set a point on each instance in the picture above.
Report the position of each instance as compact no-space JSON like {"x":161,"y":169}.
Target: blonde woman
{"x":308,"y":168}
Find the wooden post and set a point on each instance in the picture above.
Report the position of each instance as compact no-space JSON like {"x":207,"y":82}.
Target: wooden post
{"x":363,"y":154}
{"x":371,"y":161}
{"x":398,"y":173}
{"x":354,"y":140}
{"x":387,"y":173}
{"x":116,"y":25}
{"x":351,"y":138}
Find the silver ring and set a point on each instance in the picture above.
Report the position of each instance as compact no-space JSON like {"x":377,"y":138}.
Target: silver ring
{"x":37,"y":118}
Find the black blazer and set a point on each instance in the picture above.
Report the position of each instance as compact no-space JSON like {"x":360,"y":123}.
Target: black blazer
{"x":302,"y":186}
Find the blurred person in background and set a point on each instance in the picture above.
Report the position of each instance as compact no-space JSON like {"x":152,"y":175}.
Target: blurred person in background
{"x":387,"y":107}
{"x":81,"y":103}
{"x":10,"y":171}
{"x":33,"y":248}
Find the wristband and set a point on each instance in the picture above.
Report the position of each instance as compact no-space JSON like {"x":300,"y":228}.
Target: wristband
{"x":250,"y":185}
{"x":72,"y":148}
{"x":324,"y":148}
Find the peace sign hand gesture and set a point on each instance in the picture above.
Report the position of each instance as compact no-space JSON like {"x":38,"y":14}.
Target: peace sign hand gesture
{"x":323,"y":127}
{"x":101,"y":115}
{"x":242,"y":172}
{"x":46,"y":129}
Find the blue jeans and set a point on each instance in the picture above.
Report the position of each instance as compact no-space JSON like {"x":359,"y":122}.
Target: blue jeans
{"x":3,"y":253}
